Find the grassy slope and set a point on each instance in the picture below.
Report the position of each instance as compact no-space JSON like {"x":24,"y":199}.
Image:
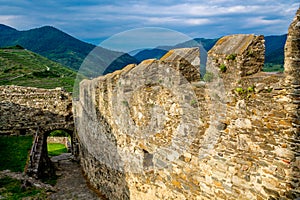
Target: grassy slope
{"x":12,"y":189}
{"x":25,"y":68}
{"x":49,"y":42}
{"x":55,"y":149}
{"x":14,"y":151}
{"x":63,"y":48}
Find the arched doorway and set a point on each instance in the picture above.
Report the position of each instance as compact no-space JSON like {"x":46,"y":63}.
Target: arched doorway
{"x":40,"y":165}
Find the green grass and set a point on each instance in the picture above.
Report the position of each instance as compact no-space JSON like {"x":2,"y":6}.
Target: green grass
{"x":55,"y":149}
{"x":25,"y":68}
{"x":231,"y":57}
{"x":223,"y":68}
{"x":14,"y":152}
{"x":11,"y":189}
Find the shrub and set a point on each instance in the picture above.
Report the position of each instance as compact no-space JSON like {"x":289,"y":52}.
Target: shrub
{"x":239,"y":90}
{"x":245,"y":92}
{"x":231,"y":57}
{"x":250,"y":89}
{"x":59,"y":133}
{"x":44,"y":74}
{"x":125,"y":103}
{"x":19,"y":47}
{"x":223,"y":68}
{"x":250,"y":53}
{"x":194,"y":103}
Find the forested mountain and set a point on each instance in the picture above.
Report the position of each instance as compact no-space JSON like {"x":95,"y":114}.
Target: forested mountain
{"x":69,"y":51}
{"x":61,"y":47}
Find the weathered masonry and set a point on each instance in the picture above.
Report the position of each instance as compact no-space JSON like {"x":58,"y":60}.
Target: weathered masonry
{"x":155,"y":131}
{"x":37,"y":112}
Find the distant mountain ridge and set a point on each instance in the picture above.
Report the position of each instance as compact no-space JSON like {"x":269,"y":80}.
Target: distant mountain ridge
{"x":6,"y":28}
{"x":69,"y":51}
{"x":275,"y":48}
{"x":150,"y":53}
{"x":61,"y":47}
{"x":274,"y":52}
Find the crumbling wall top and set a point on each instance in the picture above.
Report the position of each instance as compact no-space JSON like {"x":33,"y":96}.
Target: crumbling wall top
{"x":233,"y":44}
{"x":180,"y":54}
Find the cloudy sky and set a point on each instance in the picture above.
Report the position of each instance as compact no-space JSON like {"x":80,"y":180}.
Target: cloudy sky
{"x":96,"y":20}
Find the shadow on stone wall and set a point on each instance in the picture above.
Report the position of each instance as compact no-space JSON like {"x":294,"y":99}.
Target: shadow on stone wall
{"x":104,"y":171}
{"x":16,"y":119}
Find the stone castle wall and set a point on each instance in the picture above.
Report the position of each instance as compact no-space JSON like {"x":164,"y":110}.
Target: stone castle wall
{"x":155,"y":131}
{"x":24,"y":109}
{"x":61,"y":140}
{"x":37,"y":112}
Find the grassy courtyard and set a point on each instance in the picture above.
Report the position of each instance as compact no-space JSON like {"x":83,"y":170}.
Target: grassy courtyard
{"x":14,"y":152}
{"x":12,"y":189}
{"x":55,"y":149}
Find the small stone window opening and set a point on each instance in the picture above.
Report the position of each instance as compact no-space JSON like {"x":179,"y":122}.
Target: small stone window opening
{"x":148,"y":157}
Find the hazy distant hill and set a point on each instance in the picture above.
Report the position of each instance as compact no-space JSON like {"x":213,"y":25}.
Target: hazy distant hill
{"x":207,"y":44}
{"x":60,"y":47}
{"x":274,"y":55}
{"x":25,"y":68}
{"x":275,"y":48}
{"x":150,"y":53}
{"x":159,"y":51}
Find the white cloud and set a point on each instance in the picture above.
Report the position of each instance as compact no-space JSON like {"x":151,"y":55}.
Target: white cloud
{"x":7,"y":19}
{"x":260,"y":21}
{"x":93,"y":18}
{"x":198,"y":21}
{"x":10,"y":20}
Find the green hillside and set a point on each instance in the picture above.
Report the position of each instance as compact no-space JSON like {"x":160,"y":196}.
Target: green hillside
{"x":25,"y":68}
{"x":69,"y":51}
{"x":63,"y":48}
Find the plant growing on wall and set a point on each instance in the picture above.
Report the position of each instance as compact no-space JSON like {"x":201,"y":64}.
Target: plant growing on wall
{"x":125,"y":103}
{"x":245,"y":92}
{"x":250,"y":53}
{"x":250,"y":89}
{"x":208,"y":77}
{"x":223,"y":68}
{"x":231,"y":57}
{"x":194,"y":103}
{"x":240,"y":90}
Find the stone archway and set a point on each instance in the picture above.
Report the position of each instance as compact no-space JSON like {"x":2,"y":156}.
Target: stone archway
{"x":65,"y":133}
{"x":59,"y":141}
{"x":40,"y":165}
{"x":37,"y":112}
